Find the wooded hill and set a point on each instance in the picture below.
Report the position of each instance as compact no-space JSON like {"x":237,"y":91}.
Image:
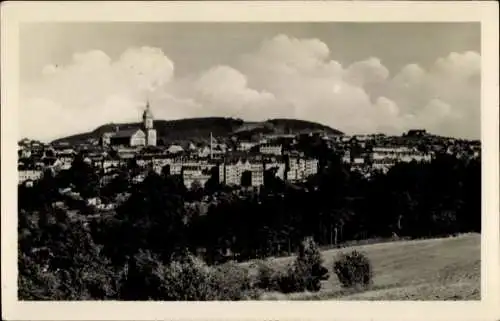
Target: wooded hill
{"x":199,"y":129}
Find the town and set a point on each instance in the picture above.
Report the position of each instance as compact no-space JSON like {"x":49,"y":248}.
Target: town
{"x":234,"y":162}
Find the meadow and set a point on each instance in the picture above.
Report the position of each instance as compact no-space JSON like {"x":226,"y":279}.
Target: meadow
{"x":432,"y":269}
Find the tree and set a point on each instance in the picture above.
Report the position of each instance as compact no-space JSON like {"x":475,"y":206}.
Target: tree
{"x":246,"y":179}
{"x":151,"y":219}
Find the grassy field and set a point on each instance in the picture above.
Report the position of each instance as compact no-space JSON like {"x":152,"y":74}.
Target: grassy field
{"x":435,"y":269}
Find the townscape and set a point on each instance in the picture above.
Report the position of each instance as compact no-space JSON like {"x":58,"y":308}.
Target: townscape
{"x":239,"y":163}
{"x":231,"y":199}
{"x":217,"y":162}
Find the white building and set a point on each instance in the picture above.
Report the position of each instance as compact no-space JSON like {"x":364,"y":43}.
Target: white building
{"x":175,"y":149}
{"x":192,"y":174}
{"x":231,"y":173}
{"x":271,"y":149}
{"x":246,"y":146}
{"x":109,"y":165}
{"x":160,"y":162}
{"x":29,"y":175}
{"x":145,"y":136}
{"x":400,"y":153}
{"x":301,"y":168}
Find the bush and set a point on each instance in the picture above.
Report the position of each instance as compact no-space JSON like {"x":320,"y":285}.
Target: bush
{"x":230,"y":281}
{"x":292,"y":280}
{"x":353,"y":270}
{"x":188,"y":279}
{"x":267,"y":277}
{"x":306,"y":273}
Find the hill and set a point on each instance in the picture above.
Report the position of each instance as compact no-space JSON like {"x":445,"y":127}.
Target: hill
{"x":199,"y":129}
{"x":434,"y":269}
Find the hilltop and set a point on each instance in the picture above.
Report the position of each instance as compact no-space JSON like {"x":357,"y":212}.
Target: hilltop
{"x":199,"y":129}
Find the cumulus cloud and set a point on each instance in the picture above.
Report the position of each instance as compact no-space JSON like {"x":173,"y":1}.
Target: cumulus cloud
{"x":284,"y":77}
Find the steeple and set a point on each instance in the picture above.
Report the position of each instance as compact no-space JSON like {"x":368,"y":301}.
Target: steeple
{"x":147,"y":117}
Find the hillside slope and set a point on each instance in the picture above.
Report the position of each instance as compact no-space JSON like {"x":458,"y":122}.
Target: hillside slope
{"x":199,"y":129}
{"x":436,"y":269}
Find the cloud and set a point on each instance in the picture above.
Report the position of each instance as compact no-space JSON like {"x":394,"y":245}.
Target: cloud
{"x":446,"y":96}
{"x":366,"y":72}
{"x":224,"y":91}
{"x":284,"y":77}
{"x":92,"y":90}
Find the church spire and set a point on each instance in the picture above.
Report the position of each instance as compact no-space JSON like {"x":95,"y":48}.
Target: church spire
{"x":147,"y":117}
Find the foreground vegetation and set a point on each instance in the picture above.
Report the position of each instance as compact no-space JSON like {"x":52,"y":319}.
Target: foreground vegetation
{"x":433,"y":269}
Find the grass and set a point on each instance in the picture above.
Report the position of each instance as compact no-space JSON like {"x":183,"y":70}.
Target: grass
{"x":434,"y":269}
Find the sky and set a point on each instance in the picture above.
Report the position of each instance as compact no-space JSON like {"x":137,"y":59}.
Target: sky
{"x":355,"y":77}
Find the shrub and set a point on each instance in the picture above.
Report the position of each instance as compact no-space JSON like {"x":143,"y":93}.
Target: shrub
{"x":230,"y":281}
{"x":291,"y":280}
{"x":187,"y":279}
{"x":353,"y":270}
{"x":308,"y":271}
{"x":142,"y":278}
{"x":267,"y":277}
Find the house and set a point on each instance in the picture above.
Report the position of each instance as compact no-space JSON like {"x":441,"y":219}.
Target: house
{"x":194,"y":175}
{"x":109,"y":165}
{"x":230,"y":173}
{"x":346,"y":158}
{"x":138,"y":178}
{"x":416,"y":133}
{"x":301,"y":168}
{"x":93,"y":201}
{"x":204,"y":152}
{"x":244,"y":146}
{"x":175,"y":149}
{"x":29,"y":175}
{"x":159,"y":162}
{"x":257,"y":178}
{"x":62,"y":164}
{"x":271,"y":149}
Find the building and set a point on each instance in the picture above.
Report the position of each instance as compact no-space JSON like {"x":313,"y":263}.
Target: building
{"x":62,"y":164}
{"x":159,"y":162}
{"x":29,"y":175}
{"x":109,"y":165}
{"x":231,"y":173}
{"x":128,"y":137}
{"x":192,"y":175}
{"x":145,"y":136}
{"x":400,"y":154}
{"x":301,"y":168}
{"x":246,"y":146}
{"x":416,"y":133}
{"x":271,"y":149}
{"x":147,"y":118}
{"x":174,"y":149}
{"x":257,"y":178}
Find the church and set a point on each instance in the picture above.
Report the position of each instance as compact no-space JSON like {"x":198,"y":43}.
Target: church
{"x":133,"y":137}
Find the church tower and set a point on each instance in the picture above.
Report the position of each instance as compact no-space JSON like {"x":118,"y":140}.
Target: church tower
{"x":147,"y":118}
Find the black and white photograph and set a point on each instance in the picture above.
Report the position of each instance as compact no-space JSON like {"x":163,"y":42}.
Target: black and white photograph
{"x":250,"y":161}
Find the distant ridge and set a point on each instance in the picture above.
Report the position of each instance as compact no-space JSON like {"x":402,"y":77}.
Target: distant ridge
{"x":199,"y":129}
